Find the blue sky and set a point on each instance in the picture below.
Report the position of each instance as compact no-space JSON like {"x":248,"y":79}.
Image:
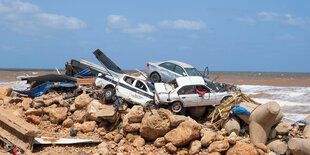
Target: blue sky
{"x":272,"y":36}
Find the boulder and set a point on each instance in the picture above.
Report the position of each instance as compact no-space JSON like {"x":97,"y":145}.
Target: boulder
{"x":232,"y":125}
{"x":72,"y":107}
{"x":218,"y":146}
{"x":92,"y":109}
{"x":34,"y":119}
{"x":208,"y":136}
{"x":194,"y":147}
{"x":171,"y":148}
{"x":37,"y":105}
{"x":139,"y":142}
{"x":88,"y":126}
{"x":33,"y":111}
{"x":215,"y":153}
{"x":175,"y":120}
{"x":48,"y":109}
{"x":5,"y":91}
{"x":232,"y":138}
{"x":277,"y":146}
{"x":103,"y":148}
{"x":155,"y":124}
{"x":262,"y":147}
{"x":68,"y":123}
{"x":57,"y":115}
{"x":242,"y":148}
{"x":281,"y":129}
{"x":184,"y":133}
{"x":79,"y":116}
{"x":81,"y":101}
{"x":118,"y":138}
{"x":159,"y":142}
{"x":135,"y":114}
{"x":56,"y":100}
{"x":26,"y":103}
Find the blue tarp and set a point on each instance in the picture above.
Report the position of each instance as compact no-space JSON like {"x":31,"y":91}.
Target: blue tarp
{"x":237,"y":110}
{"x":301,"y":121}
{"x":41,"y":89}
{"x":85,"y":72}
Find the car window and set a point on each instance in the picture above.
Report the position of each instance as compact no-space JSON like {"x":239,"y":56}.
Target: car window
{"x":168,"y":65}
{"x":179,"y":70}
{"x":151,"y":87}
{"x":211,"y":85}
{"x":187,"y":90}
{"x":192,"y":72}
{"x":129,"y":80}
{"x":140,"y":85}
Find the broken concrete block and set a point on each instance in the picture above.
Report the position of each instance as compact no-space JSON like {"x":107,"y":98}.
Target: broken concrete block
{"x":277,"y":146}
{"x":232,"y":124}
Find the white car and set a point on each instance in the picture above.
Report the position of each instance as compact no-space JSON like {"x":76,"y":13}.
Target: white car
{"x":189,"y":91}
{"x":130,"y":88}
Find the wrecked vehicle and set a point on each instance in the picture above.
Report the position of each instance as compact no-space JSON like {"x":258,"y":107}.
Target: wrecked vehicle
{"x":190,"y":91}
{"x":130,"y":88}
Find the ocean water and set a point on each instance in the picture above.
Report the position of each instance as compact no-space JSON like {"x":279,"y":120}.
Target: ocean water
{"x":294,"y":101}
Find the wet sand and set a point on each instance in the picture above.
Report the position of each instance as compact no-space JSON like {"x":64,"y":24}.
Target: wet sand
{"x":239,"y":78}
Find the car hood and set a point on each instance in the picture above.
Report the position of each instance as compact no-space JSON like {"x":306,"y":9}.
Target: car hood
{"x":162,"y":87}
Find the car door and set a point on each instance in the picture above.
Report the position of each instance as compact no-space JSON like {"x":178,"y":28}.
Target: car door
{"x":124,"y":87}
{"x":179,"y":71}
{"x":188,"y":96}
{"x":167,"y":71}
{"x":140,"y":95}
{"x":206,"y":97}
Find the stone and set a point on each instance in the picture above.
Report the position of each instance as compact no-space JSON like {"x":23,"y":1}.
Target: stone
{"x":88,"y":126}
{"x":135,"y":114}
{"x":272,"y":133}
{"x":277,"y":146}
{"x":103,"y":148}
{"x":171,"y":148}
{"x":26,"y":103}
{"x":208,"y":136}
{"x":50,"y":101}
{"x":242,"y":148}
{"x":232,"y":138}
{"x":72,"y":108}
{"x":215,"y":153}
{"x":131,"y":137}
{"x":81,"y":101}
{"x":57,"y":115}
{"x":118,"y":138}
{"x":92,"y":109}
{"x":5,"y":91}
{"x":175,"y":120}
{"x":160,"y":141}
{"x":68,"y":123}
{"x":194,"y":147}
{"x":281,"y":129}
{"x":79,"y":116}
{"x":260,"y":151}
{"x":155,"y":124}
{"x":184,"y":133}
{"x":33,"y":111}
{"x":37,"y":105}
{"x":34,"y":119}
{"x":262,"y":147}
{"x":232,"y":124}
{"x":130,"y":127}
{"x":218,"y":146}
{"x":48,"y":109}
{"x":139,"y":142}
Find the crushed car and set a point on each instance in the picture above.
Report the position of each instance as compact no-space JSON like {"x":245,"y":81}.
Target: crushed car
{"x":189,"y":91}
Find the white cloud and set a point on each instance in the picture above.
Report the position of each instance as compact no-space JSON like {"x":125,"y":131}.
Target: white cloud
{"x":282,"y":18}
{"x":117,"y":21}
{"x":182,"y":24}
{"x":246,"y":20}
{"x":268,"y":16}
{"x":27,"y":18}
{"x":285,"y":37}
{"x":141,"y":28}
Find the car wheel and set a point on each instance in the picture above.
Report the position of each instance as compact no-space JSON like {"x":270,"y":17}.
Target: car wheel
{"x":108,"y":94}
{"x":177,"y":107}
{"x":155,"y":77}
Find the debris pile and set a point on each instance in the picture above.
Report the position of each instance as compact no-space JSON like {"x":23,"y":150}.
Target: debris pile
{"x":81,"y":120}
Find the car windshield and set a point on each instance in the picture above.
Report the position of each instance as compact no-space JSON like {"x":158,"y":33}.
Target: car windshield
{"x":192,"y":72}
{"x":211,"y":85}
{"x":151,"y":87}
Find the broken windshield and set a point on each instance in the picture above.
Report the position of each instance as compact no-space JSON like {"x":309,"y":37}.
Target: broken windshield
{"x":192,"y":72}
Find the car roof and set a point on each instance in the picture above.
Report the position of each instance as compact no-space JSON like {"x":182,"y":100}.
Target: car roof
{"x":190,"y":80}
{"x":182,"y":64}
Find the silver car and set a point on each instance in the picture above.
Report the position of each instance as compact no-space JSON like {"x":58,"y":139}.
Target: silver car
{"x":168,"y":70}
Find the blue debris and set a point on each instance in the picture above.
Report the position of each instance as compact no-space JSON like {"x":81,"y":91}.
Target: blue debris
{"x":237,"y":110}
{"x":301,"y":121}
{"x":85,"y":72}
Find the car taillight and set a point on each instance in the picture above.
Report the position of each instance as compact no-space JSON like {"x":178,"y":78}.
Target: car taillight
{"x":147,"y":65}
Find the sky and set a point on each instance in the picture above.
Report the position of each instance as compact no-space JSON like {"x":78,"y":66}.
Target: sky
{"x":239,"y":35}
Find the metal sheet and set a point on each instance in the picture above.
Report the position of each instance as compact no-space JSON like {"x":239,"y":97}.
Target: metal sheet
{"x":51,"y":140}
{"x":107,"y":62}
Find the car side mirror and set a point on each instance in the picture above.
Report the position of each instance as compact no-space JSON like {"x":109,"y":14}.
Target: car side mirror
{"x":99,"y":74}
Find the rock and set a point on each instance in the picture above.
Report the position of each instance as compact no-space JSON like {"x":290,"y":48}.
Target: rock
{"x":260,"y":151}
{"x":159,"y":142}
{"x":232,"y":138}
{"x":171,"y":148}
{"x":72,"y":108}
{"x":26,"y":103}
{"x":155,"y":124}
{"x":139,"y":142}
{"x":92,"y":109}
{"x":81,"y":101}
{"x":103,"y":148}
{"x":175,"y":120}
{"x":135,"y":114}
{"x":232,"y":124}
{"x":184,"y":133}
{"x":33,"y":111}
{"x":34,"y":119}
{"x":218,"y":146}
{"x":88,"y":126}
{"x":58,"y":99}
{"x":215,"y":153}
{"x":130,"y":127}
{"x":37,"y":105}
{"x":194,"y":147}
{"x":281,"y":130}
{"x":57,"y":115}
{"x":68,"y":123}
{"x":277,"y":146}
{"x":262,"y":147}
{"x":272,"y":134}
{"x":242,"y":148}
{"x":48,"y":109}
{"x":118,"y":138}
{"x":131,"y":137}
{"x":5,"y":91}
{"x":77,"y":126}
{"x":182,"y":152}
{"x":208,"y":136}
{"x":79,"y":116}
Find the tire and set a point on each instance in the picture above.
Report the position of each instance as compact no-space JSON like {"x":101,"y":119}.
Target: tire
{"x":108,"y":93}
{"x":155,"y":77}
{"x":177,"y":107}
